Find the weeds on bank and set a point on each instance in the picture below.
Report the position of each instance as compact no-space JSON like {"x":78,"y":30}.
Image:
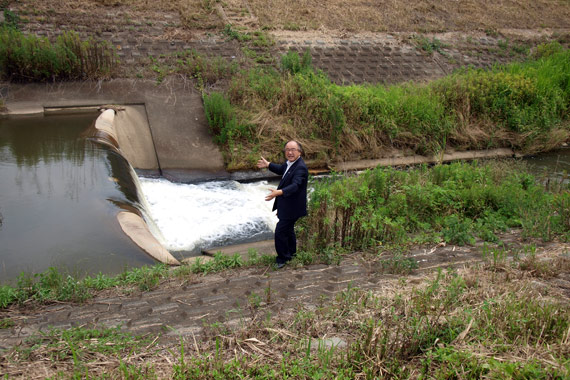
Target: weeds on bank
{"x":470,"y":323}
{"x":29,"y":58}
{"x":222,"y":262}
{"x":519,"y":105}
{"x":207,"y":71}
{"x":53,"y":285}
{"x":456,"y":203}
{"x":259,"y":38}
{"x":189,"y":63}
{"x":427,"y":45}
{"x":82,"y":350}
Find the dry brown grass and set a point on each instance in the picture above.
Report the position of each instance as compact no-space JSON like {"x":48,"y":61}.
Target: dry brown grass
{"x":422,"y":16}
{"x":341,"y":15}
{"x":88,"y":5}
{"x":399,"y":15}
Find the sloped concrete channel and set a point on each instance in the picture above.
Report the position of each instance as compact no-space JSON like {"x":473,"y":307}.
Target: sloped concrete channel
{"x":171,"y":141}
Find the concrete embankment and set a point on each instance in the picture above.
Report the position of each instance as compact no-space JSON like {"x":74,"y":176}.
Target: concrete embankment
{"x":418,"y":160}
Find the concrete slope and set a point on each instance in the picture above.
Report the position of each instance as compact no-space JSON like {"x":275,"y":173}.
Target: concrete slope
{"x":135,"y":138}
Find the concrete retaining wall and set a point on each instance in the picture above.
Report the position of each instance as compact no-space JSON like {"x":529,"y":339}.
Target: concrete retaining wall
{"x":418,"y":160}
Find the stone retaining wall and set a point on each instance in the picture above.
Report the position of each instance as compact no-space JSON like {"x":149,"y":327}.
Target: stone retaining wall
{"x":377,"y":58}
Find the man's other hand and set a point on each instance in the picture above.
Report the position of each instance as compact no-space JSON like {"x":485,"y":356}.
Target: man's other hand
{"x":273,"y":193}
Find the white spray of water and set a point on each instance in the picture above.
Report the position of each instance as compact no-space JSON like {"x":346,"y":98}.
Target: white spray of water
{"x":207,"y":214}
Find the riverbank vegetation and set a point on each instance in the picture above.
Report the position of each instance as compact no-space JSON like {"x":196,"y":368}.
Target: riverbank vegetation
{"x":28,"y":58}
{"x":498,"y":319}
{"x":56,"y":286}
{"x":456,"y":203}
{"x":523,"y":106}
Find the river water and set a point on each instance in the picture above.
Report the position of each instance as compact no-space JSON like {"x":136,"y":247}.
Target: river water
{"x":60,"y":194}
{"x":553,"y":166}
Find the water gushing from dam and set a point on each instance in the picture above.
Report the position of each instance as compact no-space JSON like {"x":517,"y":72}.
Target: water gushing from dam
{"x":192,"y":217}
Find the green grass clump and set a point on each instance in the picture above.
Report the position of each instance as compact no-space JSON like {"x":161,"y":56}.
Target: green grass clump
{"x":293,"y":64}
{"x":222,"y":120}
{"x":455,"y":203}
{"x":29,"y":58}
{"x":522,"y":106}
{"x":52,"y":285}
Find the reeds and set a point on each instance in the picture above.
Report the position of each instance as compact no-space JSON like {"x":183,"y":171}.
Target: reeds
{"x":521,"y":106}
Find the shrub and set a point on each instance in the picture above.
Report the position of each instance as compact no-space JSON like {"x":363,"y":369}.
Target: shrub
{"x":456,"y":202}
{"x":293,"y":64}
{"x":7,"y":296}
{"x":222,"y":119}
{"x":206,"y":71}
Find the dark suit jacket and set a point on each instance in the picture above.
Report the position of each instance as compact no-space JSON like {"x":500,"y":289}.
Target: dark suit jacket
{"x":293,"y":203}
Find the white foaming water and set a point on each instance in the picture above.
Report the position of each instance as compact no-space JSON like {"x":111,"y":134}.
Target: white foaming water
{"x":191,"y":217}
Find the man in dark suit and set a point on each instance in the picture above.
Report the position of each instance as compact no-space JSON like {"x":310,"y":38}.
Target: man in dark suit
{"x":290,"y":199}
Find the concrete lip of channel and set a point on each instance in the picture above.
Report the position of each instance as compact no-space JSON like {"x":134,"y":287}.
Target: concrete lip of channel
{"x":137,"y":230}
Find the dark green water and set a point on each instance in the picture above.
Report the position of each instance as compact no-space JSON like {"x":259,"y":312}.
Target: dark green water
{"x":553,"y":165}
{"x":59,"y":196}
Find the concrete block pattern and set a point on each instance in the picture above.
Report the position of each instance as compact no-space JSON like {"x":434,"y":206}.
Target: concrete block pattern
{"x":345,"y":60}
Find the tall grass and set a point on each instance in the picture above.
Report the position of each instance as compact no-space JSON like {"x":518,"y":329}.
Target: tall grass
{"x":30,"y":58}
{"x":523,"y":106}
{"x":455,"y":203}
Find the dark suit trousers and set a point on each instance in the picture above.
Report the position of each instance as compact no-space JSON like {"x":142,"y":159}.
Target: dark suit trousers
{"x":285,"y":240}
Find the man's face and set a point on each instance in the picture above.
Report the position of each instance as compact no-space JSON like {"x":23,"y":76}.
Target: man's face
{"x":292,"y":151}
